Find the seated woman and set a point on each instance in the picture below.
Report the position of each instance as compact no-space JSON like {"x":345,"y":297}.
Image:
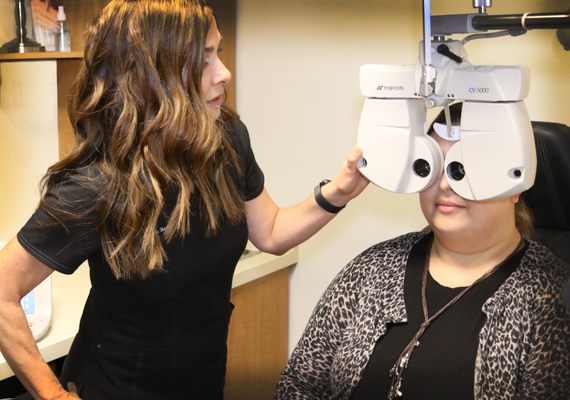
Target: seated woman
{"x":469,"y":309}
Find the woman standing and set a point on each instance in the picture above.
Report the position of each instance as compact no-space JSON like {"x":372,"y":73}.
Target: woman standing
{"x":160,"y":195}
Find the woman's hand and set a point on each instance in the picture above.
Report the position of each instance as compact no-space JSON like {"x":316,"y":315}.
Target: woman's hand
{"x":349,"y":182}
{"x":275,"y":230}
{"x":72,"y":388}
{"x":71,"y":394}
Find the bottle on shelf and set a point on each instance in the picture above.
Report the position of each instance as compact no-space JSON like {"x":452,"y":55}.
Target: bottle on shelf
{"x":62,"y":35}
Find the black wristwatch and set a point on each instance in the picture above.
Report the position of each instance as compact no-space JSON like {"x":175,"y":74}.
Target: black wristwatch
{"x":324,"y":203}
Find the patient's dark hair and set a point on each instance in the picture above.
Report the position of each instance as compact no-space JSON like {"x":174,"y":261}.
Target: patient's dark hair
{"x":523,"y":215}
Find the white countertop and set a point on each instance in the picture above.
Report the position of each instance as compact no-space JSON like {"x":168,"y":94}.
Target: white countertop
{"x":66,"y":314}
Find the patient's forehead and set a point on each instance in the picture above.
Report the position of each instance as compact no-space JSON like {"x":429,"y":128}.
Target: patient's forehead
{"x":445,"y":145}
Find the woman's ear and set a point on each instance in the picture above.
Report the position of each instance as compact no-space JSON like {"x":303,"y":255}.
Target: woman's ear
{"x":515,"y":198}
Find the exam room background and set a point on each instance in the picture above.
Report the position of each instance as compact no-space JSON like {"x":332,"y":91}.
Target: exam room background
{"x":298,"y":92}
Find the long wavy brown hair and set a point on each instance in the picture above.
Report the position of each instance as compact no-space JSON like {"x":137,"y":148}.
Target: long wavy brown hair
{"x":141,"y":123}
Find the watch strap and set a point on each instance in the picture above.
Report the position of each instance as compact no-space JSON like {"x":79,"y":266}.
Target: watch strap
{"x":322,"y":202}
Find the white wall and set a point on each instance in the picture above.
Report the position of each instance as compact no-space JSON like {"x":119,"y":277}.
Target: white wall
{"x":297,"y":85}
{"x":28,"y":127}
{"x":28,"y":138}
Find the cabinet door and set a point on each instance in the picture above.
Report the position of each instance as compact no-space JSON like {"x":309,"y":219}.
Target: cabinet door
{"x":79,"y":14}
{"x":258,"y":337}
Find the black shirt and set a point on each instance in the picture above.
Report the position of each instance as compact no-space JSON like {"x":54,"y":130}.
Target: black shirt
{"x":443,"y":365}
{"x":163,"y":337}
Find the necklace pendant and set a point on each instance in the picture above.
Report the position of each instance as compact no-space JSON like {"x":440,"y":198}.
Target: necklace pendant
{"x":395,"y":388}
{"x":396,"y":375}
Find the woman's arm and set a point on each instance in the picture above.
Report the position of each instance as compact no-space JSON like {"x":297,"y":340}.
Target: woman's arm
{"x":309,"y":372}
{"x":276,"y":230}
{"x":20,"y":272}
{"x":546,"y":374}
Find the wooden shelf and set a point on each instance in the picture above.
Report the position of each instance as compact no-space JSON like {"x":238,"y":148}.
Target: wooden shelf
{"x":45,"y":55}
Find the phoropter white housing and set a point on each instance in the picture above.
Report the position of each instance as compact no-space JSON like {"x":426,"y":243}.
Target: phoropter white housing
{"x":495,"y":155}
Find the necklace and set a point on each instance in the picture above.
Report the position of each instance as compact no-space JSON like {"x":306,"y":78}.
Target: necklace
{"x":397,"y":371}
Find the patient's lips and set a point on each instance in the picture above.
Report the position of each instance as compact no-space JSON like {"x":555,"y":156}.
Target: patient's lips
{"x":446,"y":206}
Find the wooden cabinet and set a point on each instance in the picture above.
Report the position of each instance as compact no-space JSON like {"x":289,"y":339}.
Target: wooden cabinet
{"x":258,"y":337}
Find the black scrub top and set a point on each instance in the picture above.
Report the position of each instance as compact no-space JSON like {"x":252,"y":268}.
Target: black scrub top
{"x":163,"y":337}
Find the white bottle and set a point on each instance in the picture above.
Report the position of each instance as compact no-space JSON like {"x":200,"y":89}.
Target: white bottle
{"x":62,"y":35}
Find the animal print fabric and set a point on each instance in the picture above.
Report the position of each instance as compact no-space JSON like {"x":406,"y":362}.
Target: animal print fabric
{"x":524,"y":346}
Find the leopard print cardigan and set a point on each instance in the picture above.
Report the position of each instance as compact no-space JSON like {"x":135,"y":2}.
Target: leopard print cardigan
{"x":524,"y":345}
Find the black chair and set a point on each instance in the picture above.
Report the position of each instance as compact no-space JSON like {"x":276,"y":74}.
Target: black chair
{"x":549,"y":198}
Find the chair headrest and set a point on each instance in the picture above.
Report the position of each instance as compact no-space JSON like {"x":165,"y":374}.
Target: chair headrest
{"x":549,"y":198}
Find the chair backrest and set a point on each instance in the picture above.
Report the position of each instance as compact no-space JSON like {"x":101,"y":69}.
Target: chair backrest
{"x":549,"y":198}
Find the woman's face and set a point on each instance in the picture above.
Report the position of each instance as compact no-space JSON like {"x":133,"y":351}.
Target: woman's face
{"x":448,"y":213}
{"x":215,"y":74}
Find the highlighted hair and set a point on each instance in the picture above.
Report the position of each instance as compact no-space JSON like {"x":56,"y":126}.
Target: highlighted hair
{"x":141,"y":123}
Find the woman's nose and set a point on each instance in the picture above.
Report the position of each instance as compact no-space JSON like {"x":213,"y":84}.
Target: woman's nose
{"x":223,"y":75}
{"x":443,"y":182}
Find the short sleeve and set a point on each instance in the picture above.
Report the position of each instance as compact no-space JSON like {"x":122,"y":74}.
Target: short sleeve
{"x":55,"y":239}
{"x":252,"y":180}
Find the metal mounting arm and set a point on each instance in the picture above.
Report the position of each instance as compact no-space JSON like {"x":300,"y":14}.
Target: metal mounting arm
{"x":525,"y":21}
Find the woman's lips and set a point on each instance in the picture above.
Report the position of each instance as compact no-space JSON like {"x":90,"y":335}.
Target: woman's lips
{"x":447,"y":206}
{"x":217,"y":101}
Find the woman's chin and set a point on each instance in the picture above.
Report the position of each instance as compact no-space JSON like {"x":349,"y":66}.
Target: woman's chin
{"x":215,"y":111}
